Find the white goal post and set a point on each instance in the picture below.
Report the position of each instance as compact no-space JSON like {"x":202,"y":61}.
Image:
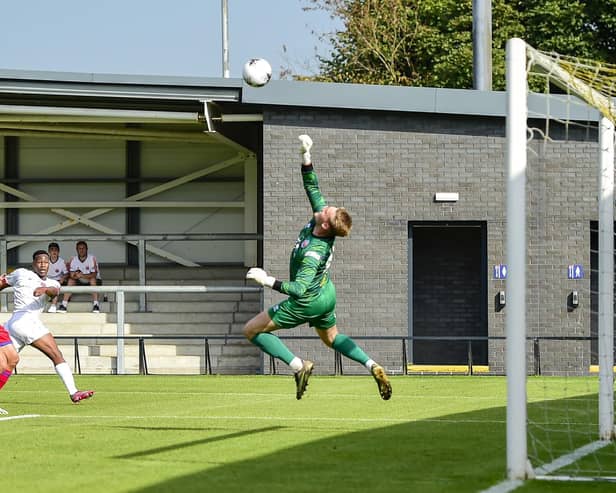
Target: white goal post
{"x":520,"y":57}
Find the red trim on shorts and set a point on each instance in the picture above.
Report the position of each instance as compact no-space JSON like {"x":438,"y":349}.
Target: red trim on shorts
{"x":5,"y":338}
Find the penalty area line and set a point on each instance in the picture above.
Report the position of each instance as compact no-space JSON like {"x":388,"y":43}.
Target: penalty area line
{"x":19,"y":416}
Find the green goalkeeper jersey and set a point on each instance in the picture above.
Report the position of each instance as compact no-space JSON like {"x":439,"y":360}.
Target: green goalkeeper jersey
{"x":311,"y":255}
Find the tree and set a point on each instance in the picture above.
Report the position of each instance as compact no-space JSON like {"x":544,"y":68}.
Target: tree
{"x":429,"y":42}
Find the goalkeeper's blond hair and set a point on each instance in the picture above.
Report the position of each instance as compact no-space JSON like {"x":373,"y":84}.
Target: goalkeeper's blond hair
{"x":342,"y":223}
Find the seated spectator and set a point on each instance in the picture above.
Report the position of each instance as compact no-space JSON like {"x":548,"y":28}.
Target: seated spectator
{"x":83,"y":270}
{"x":57,"y":271}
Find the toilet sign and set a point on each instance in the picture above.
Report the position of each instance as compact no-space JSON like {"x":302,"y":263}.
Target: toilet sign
{"x":499,"y":272}
{"x":575,"y":271}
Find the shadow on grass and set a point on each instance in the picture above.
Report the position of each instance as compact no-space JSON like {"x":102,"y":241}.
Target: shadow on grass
{"x":192,"y":443}
{"x":461,"y":453}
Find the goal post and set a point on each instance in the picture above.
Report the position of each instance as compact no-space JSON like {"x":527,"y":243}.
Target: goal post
{"x":515,"y":320}
{"x":586,"y":82}
{"x":606,"y":280}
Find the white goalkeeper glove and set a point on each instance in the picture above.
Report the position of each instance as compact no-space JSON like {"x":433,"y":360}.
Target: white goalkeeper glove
{"x":260,"y":276}
{"x":306,"y":144}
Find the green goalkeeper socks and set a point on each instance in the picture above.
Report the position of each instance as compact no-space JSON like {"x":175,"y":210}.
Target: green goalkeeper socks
{"x":270,"y":344}
{"x":345,"y":345}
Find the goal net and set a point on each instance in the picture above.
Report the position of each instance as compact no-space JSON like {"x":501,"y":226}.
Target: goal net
{"x":560,"y":294}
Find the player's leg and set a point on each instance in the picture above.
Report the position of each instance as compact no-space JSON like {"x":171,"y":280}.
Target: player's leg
{"x":346,"y":346}
{"x":8,"y":357}
{"x":53,"y":305}
{"x":67,"y":297}
{"x":258,"y":331}
{"x":48,"y":346}
{"x":8,"y":361}
{"x":95,"y":306}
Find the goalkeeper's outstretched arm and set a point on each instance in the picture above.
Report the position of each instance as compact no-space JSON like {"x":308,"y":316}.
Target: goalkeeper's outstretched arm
{"x":311,"y":184}
{"x":294,"y":288}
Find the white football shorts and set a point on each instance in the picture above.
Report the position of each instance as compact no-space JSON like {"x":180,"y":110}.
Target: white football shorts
{"x":25,"y":328}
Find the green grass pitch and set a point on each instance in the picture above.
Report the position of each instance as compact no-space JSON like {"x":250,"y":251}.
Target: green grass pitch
{"x":184,"y":434}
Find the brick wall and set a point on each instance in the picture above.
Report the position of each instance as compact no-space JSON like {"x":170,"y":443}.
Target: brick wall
{"x":385,"y":168}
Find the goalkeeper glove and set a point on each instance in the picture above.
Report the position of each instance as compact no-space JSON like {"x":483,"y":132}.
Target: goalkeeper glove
{"x":260,"y":276}
{"x":305,"y":148}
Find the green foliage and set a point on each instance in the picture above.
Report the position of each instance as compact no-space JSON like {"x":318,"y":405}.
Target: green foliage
{"x":429,"y":42}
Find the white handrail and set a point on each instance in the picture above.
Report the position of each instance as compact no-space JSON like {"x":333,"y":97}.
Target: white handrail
{"x":120,"y":301}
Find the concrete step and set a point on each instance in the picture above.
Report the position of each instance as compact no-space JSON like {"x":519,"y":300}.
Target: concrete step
{"x":232,"y":358}
{"x":174,"y":318}
{"x":196,"y":297}
{"x":229,"y":305}
{"x":81,"y":307}
{"x":132,"y":299}
{"x":198,"y":329}
{"x":237,"y":365}
{"x":168,"y":314}
{"x":176,"y":365}
{"x":81,"y":324}
{"x":158,"y":272}
{"x":109,"y":349}
{"x":183,"y":306}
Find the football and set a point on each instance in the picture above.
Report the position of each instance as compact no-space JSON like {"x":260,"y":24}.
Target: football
{"x":257,"y":72}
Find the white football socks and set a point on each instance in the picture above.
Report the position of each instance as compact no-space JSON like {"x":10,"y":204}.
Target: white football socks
{"x":66,"y":375}
{"x":296,"y":364}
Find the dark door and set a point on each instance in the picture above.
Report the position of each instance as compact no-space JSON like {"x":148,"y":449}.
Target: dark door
{"x":447,"y":292}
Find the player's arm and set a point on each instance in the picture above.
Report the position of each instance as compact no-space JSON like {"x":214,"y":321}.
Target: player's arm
{"x":296,"y":288}
{"x":73,"y":271}
{"x":309,"y":176}
{"x":50,"y":291}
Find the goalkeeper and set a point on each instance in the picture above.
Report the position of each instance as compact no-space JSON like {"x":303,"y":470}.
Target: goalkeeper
{"x":312,"y":295}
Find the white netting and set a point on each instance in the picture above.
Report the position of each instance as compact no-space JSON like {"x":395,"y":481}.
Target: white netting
{"x":563,"y":161}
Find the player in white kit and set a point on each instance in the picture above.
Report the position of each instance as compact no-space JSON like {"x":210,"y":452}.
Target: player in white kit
{"x":31,"y":290}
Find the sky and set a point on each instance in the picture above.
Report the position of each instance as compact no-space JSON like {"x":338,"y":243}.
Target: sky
{"x":159,"y":37}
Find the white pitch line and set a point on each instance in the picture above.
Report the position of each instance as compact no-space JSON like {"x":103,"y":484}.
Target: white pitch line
{"x":273,"y":418}
{"x":542,"y":472}
{"x":264,"y":394}
{"x":20,"y":416}
{"x":505,"y":486}
{"x":572,"y":457}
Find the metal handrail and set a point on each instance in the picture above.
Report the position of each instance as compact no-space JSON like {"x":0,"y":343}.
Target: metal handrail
{"x":338,"y":360}
{"x":120,"y":303}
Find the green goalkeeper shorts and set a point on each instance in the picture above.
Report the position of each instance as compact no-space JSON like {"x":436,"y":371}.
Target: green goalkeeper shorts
{"x":318,"y":312}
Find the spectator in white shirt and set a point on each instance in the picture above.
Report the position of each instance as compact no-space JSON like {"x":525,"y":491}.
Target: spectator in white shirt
{"x":83,"y":270}
{"x":58,"y":271}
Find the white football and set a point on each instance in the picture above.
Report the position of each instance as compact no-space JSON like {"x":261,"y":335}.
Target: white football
{"x":257,"y":72}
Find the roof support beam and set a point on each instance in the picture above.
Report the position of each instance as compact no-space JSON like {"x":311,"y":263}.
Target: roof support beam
{"x":86,"y":218}
{"x":11,"y":113}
